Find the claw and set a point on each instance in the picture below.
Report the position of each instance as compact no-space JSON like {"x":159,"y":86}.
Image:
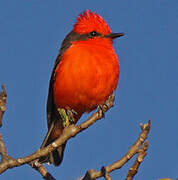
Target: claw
{"x":101,"y":109}
{"x":70,"y":114}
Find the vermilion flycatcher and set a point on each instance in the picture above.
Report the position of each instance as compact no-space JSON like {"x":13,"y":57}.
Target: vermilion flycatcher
{"x":85,"y":74}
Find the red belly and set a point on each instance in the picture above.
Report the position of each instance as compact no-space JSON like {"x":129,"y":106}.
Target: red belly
{"x":85,"y":77}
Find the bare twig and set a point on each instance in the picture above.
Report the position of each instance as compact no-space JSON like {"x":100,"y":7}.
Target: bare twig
{"x":4,"y":156}
{"x":105,"y":174}
{"x":68,"y":133}
{"x":3,"y":152}
{"x":3,"y":96}
{"x":42,"y":170}
{"x":93,"y":174}
{"x":141,"y":155}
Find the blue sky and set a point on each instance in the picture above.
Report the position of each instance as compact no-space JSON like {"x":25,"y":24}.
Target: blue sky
{"x":30,"y":36}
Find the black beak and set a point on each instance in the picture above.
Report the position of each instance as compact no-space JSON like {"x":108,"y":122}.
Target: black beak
{"x":114,"y":35}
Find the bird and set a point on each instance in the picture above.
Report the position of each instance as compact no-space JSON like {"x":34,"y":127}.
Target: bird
{"x":85,"y":74}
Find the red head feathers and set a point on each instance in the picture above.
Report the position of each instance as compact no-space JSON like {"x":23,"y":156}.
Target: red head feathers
{"x":89,"y":21}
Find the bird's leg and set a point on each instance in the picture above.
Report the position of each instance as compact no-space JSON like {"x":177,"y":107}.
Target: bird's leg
{"x":67,"y":116}
{"x":64,"y":116}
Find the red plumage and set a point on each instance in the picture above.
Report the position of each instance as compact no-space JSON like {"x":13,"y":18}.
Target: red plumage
{"x":86,"y":72}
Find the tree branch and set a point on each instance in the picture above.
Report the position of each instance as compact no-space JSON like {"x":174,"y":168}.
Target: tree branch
{"x":8,"y":162}
{"x":5,"y":158}
{"x":3,"y":96}
{"x":68,"y":133}
{"x":141,"y":155}
{"x":134,"y":149}
{"x":105,"y":174}
{"x":42,"y":170}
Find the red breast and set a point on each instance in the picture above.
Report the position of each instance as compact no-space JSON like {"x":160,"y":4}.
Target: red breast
{"x":86,"y":75}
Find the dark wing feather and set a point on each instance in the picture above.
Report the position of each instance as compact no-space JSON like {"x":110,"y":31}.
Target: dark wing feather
{"x":53,"y":116}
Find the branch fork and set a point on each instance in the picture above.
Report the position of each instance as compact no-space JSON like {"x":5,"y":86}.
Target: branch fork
{"x":139,"y":147}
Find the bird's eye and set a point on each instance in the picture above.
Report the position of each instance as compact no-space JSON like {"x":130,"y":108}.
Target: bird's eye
{"x":93,"y":33}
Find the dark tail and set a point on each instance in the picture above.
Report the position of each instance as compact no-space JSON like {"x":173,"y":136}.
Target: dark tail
{"x":56,"y":156}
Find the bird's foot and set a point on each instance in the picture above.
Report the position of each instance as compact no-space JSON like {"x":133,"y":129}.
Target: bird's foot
{"x":71,"y":114}
{"x":67,"y":116}
{"x":103,"y":107}
{"x":101,"y":110}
